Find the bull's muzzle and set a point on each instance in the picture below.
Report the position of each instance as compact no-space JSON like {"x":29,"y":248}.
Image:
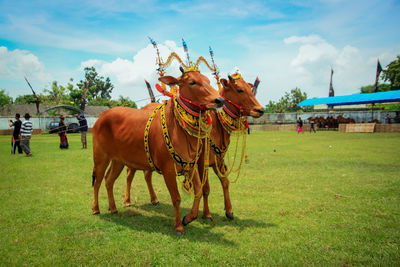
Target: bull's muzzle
{"x":219,"y":101}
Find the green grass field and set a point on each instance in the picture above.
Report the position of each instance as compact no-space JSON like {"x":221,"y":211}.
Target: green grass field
{"x":325,"y":199}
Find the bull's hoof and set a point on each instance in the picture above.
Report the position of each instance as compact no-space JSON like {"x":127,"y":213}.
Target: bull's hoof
{"x":179,"y":233}
{"x":211,"y":219}
{"x":97,"y":212}
{"x":229,"y":216}
{"x":127,"y":204}
{"x":114,"y":212}
{"x":155,"y":203}
{"x":184,"y":221}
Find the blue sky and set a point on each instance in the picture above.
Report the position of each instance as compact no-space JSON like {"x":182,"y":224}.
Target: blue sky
{"x":287,"y":44}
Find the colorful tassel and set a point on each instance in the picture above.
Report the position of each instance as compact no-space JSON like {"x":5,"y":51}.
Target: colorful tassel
{"x":246,"y":124}
{"x":163,"y":91}
{"x":209,"y":121}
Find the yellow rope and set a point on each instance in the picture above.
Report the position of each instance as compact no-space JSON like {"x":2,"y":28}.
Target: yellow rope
{"x":230,"y":166}
{"x":188,"y":168}
{"x":146,"y":139}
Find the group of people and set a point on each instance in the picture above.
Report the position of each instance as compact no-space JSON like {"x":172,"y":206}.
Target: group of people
{"x":300,"y":125}
{"x":21,"y":135}
{"x":312,"y":124}
{"x":23,"y":131}
{"x":62,"y":131}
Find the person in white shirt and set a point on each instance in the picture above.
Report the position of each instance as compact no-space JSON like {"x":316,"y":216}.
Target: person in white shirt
{"x":26,"y":133}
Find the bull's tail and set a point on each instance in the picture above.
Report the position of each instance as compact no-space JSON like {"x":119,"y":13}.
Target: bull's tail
{"x":93,"y":177}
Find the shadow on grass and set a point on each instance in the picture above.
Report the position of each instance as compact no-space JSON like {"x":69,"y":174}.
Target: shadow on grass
{"x":219,"y":221}
{"x":164,"y":225}
{"x":136,"y":218}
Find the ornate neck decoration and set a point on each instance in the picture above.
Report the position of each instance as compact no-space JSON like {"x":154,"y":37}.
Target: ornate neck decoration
{"x":231,"y":123}
{"x":194,"y":123}
{"x":185,"y":165}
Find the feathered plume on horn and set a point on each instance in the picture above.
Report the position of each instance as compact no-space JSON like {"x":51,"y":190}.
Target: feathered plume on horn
{"x":152,"y":42}
{"x":185,"y":48}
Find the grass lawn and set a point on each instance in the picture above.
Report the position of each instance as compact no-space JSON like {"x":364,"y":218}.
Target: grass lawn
{"x":320,"y":199}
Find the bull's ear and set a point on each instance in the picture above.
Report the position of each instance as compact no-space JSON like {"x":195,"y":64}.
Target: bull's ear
{"x":169,"y":80}
{"x":224,"y":82}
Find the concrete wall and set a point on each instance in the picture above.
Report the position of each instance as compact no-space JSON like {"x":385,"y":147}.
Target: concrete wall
{"x":268,"y":122}
{"x":287,"y":118}
{"x":379,"y":128}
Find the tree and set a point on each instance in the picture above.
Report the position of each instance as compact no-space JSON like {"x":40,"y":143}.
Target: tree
{"x":288,"y":103}
{"x":392,"y":74}
{"x":371,"y":88}
{"x":5,"y":99}
{"x":98,"y":87}
{"x":124,"y":102}
{"x":75,"y":93}
{"x":57,"y":94}
{"x":25,"y":99}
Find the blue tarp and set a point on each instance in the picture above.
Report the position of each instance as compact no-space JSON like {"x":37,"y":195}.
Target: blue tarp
{"x":369,"y":98}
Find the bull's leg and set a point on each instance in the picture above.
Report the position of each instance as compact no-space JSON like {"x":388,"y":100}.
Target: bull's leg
{"x":100,"y":166}
{"x":170,"y":181}
{"x":225,"y":188}
{"x":153,"y":197}
{"x":194,"y":212}
{"x":112,"y":175}
{"x":206,"y":210}
{"x":206,"y":191}
{"x":130,"y":174}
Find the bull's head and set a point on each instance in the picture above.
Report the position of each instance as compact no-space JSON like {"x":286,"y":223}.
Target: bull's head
{"x":240,"y":98}
{"x":195,"y":90}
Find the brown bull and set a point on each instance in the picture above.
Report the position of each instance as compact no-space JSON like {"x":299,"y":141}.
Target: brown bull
{"x":118,"y":137}
{"x":240,"y":101}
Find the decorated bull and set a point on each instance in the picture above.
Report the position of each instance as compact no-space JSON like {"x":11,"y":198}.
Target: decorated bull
{"x":155,"y":139}
{"x":239,"y":102}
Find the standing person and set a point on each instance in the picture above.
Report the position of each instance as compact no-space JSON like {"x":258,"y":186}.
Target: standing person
{"x":312,"y":125}
{"x":299,"y":126}
{"x":387,"y":119}
{"x":83,"y":127}
{"x":26,"y":133}
{"x":62,"y":132}
{"x":15,"y":141}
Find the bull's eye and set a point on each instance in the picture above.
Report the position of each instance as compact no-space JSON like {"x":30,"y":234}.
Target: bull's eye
{"x":239,"y":90}
{"x":192,"y":82}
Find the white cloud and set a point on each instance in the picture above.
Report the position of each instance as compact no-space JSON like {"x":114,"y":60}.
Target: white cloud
{"x":16,"y":64}
{"x":305,"y":62}
{"x":303,"y":39}
{"x":316,"y":56}
{"x":128,"y":75}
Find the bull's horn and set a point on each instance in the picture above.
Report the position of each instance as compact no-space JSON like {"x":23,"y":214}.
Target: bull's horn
{"x":230,"y":78}
{"x":181,"y":69}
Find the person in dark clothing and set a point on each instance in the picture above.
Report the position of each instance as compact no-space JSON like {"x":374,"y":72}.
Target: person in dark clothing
{"x":62,"y":132}
{"x":83,"y":127}
{"x":312,"y":125}
{"x":16,"y":134}
{"x":387,"y":119}
{"x":299,"y":126}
